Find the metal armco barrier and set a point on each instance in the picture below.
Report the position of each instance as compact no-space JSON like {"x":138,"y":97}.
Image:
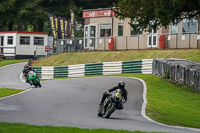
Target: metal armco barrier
{"x":105,"y":68}
{"x":182,"y":71}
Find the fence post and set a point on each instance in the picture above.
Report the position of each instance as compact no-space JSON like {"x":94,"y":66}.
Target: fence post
{"x":104,"y":43}
{"x":115,"y":43}
{"x":189,"y":39}
{"x":84,"y":46}
{"x":151,"y":40}
{"x":176,"y":40}
{"x":126,"y":43}
{"x":138,"y":41}
{"x":95,"y":41}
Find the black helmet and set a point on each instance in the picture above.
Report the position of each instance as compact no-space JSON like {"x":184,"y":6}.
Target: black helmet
{"x":121,"y":84}
{"x":26,"y":66}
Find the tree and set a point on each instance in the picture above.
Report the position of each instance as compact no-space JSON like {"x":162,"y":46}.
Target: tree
{"x":154,"y":13}
{"x":93,"y":4}
{"x":7,"y":15}
{"x":22,"y":14}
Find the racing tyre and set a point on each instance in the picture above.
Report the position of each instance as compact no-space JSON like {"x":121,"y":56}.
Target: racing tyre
{"x":109,"y":111}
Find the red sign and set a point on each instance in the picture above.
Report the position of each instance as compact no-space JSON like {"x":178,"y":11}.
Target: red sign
{"x":47,"y":48}
{"x":103,"y":13}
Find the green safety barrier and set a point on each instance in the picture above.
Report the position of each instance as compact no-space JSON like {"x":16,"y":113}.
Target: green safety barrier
{"x":60,"y":72}
{"x":132,"y":66}
{"x":94,"y":69}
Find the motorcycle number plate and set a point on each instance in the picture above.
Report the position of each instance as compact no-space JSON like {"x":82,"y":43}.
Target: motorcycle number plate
{"x":118,"y":95}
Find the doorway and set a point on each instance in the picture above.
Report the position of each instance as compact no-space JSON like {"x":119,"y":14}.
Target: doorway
{"x":90,"y":36}
{"x":152,"y":41}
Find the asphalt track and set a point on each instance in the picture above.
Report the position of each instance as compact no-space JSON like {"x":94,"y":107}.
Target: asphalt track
{"x":74,"y":102}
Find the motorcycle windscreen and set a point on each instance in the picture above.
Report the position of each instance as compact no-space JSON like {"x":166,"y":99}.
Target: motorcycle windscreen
{"x":31,"y":75}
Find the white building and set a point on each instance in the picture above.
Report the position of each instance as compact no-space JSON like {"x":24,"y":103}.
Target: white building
{"x":20,"y":45}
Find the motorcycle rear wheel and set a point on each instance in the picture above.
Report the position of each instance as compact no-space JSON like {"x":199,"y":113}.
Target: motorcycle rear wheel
{"x":100,"y":111}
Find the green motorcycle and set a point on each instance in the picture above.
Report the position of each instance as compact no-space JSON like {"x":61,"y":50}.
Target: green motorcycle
{"x":33,"y":78}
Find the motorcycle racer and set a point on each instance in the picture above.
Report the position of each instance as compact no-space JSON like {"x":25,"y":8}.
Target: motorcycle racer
{"x":27,"y":68}
{"x":121,"y":86}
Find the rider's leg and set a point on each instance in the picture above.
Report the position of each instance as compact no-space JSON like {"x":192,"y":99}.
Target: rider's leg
{"x":105,"y":94}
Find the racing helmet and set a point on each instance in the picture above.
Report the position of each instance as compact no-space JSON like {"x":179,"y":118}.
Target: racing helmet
{"x":121,"y":84}
{"x":26,"y":66}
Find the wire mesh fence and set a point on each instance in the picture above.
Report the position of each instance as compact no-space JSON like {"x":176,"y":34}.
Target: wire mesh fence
{"x":138,"y":42}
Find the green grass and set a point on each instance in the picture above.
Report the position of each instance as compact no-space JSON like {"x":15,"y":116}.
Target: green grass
{"x":170,"y":103}
{"x":65,"y":59}
{"x":6,"y":92}
{"x":22,"y":128}
{"x":8,"y":62}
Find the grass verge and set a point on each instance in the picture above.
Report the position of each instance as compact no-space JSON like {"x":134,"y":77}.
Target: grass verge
{"x":8,"y":62}
{"x":65,"y":59}
{"x":23,"y":128}
{"x":6,"y":92}
{"x":169,"y":103}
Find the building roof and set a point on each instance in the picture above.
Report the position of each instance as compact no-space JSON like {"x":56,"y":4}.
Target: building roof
{"x":98,"y":9}
{"x":20,"y":32}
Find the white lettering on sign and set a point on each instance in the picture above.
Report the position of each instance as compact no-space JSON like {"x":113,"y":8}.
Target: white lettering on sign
{"x":109,"y":13}
{"x":92,"y":14}
{"x":101,"y":13}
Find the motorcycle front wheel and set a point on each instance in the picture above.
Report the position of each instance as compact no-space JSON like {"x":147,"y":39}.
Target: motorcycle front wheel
{"x":37,"y":83}
{"x":110,"y":110}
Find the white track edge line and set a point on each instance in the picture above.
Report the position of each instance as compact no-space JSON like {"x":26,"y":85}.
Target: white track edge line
{"x":15,"y":94}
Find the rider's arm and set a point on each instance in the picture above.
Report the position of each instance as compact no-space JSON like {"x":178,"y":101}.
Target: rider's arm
{"x":31,"y":69}
{"x":112,"y":89}
{"x":125,"y":96}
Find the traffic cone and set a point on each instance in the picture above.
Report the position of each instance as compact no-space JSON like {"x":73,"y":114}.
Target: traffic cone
{"x":3,"y":86}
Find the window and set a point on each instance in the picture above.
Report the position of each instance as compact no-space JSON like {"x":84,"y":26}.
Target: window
{"x":105,"y":30}
{"x":1,"y":50}
{"x":24,"y":40}
{"x":2,"y":39}
{"x":10,"y":40}
{"x":189,"y":26}
{"x":174,"y":28}
{"x":39,"y":41}
{"x":136,"y":32}
{"x":120,"y":29}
